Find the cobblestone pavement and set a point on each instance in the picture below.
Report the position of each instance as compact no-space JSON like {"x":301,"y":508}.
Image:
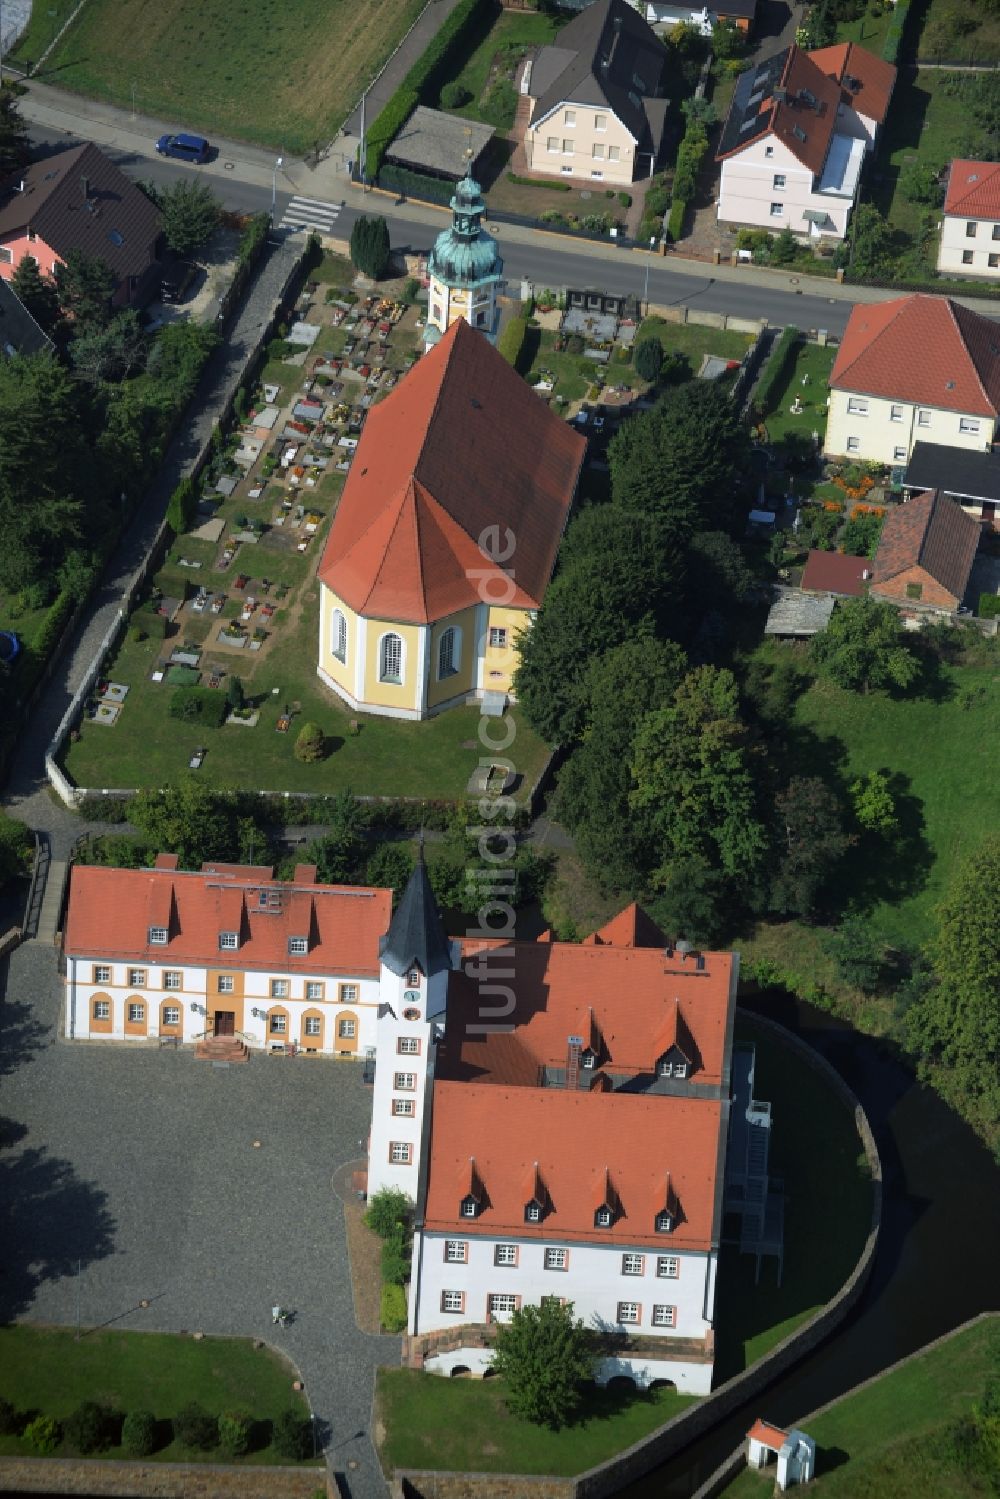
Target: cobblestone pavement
{"x":141,"y":1165}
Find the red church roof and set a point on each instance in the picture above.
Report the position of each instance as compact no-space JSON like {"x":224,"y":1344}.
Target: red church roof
{"x":462,"y":448}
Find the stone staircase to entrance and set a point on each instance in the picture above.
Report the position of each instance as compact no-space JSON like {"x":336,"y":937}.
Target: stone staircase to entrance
{"x":221,"y":1049}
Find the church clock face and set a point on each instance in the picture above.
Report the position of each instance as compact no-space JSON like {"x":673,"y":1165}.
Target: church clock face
{"x":411,"y":996}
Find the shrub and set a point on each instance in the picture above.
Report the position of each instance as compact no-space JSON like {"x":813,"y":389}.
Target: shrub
{"x":198,"y":705}
{"x":454,"y":95}
{"x":393,"y":1309}
{"x":989,"y":606}
{"x":370,"y":249}
{"x":500,"y":105}
{"x":559,"y":187}
{"x":511,"y":342}
{"x":625,"y":199}
{"x":43,"y":1435}
{"x":310,"y":746}
{"x":235,"y":696}
{"x":235,"y":1432}
{"x":139,"y":1433}
{"x":137,"y":634}
{"x":183,"y":506}
{"x":649,"y":358}
{"x":194,"y":1427}
{"x":675,"y":223}
{"x":388,"y":1208}
{"x":576,"y":345}
{"x":396,"y":1258}
{"x":88,"y":1428}
{"x":411,"y":289}
{"x":293,"y":1436}
{"x":10,"y":1420}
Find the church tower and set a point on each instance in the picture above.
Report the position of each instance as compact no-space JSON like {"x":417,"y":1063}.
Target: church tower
{"x":416,"y":959}
{"x":464,"y":268}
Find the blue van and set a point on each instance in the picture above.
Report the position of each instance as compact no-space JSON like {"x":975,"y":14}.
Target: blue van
{"x":185,"y":147}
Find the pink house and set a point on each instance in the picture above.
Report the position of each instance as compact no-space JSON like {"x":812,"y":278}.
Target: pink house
{"x":79,"y":200}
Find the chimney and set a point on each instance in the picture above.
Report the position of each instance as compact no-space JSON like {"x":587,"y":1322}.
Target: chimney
{"x":85,"y":184}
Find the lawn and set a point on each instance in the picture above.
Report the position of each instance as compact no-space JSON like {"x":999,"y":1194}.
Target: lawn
{"x":815,"y":1147}
{"x":283,"y":76}
{"x":868,"y":29}
{"x":884,"y":1442}
{"x":924,"y":123}
{"x":45,"y":1369}
{"x":807,"y":360}
{"x":692,"y":341}
{"x":497,"y":53}
{"x":464,"y":1425}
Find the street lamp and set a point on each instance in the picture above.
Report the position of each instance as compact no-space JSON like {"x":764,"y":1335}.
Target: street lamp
{"x":645,"y":295}
{"x":278,"y":161}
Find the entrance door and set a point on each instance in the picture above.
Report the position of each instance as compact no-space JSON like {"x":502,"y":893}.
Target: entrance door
{"x":225,"y":1022}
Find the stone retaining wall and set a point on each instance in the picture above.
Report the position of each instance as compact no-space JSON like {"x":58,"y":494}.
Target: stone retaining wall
{"x":45,"y":1475}
{"x":636,"y":1461}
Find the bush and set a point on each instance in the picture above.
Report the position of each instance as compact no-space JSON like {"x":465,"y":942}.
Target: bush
{"x":88,"y":1428}
{"x":235,"y":696}
{"x":558,"y":187}
{"x":10,"y":1420}
{"x":198,"y":705}
{"x":137,"y":634}
{"x":139,"y":1434}
{"x":55,"y":622}
{"x":293,"y":1436}
{"x":989,"y":606}
{"x":500,"y":105}
{"x":675,"y":223}
{"x":411,"y":290}
{"x":235,"y":1432}
{"x":396,"y":1258}
{"x":388,"y":1209}
{"x":774,"y":369}
{"x":194,"y":1427}
{"x":393,"y":1309}
{"x":511,"y":342}
{"x":625,"y":199}
{"x":183,"y":506}
{"x":43,"y":1434}
{"x":454,"y":95}
{"x":649,"y":358}
{"x":252,"y":239}
{"x":310,"y":746}
{"x":370,"y":249}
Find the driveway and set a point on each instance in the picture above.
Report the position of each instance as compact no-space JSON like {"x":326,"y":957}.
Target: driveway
{"x":142,"y":1165}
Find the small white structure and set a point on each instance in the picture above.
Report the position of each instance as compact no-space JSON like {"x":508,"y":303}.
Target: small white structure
{"x":796,"y":1452}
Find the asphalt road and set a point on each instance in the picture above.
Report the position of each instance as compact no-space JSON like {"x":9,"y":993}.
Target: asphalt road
{"x":542,"y":260}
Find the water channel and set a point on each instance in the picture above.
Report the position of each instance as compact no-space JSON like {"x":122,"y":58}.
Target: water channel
{"x":938,"y":1260}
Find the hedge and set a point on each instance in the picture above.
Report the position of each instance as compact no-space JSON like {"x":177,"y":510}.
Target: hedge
{"x":774,"y":369}
{"x":894,"y":35}
{"x":415,"y":184}
{"x":422,"y":83}
{"x":675,"y":223}
{"x":511,"y":341}
{"x":557,"y":187}
{"x":690,"y":154}
{"x":393,"y":1310}
{"x":54,"y":622}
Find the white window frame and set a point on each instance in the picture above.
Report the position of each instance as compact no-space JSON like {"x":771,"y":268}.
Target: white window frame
{"x":408,"y":1046}
{"x":923,"y":417}
{"x":604,"y":1217}
{"x":569,"y":117}
{"x":664,"y":1316}
{"x":854,"y":444}
{"x":668,"y":1267}
{"x":279,"y":988}
{"x":405,"y":1082}
{"x":968,"y":426}
{"x":298,"y":946}
{"x":137,"y":978}
{"x":777,"y":210}
{"x":494,"y":1312}
{"x":768,"y":151}
{"x":664,"y":1222}
{"x":102,"y":973}
{"x":173,"y":978}
{"x":338,"y":636}
{"x":556,"y":1259}
{"x":158,"y":936}
{"x":225,"y":984}
{"x":498,"y":637}
{"x":404,"y":1108}
{"x":469,"y":1207}
{"x":456,"y":1251}
{"x":384,"y":662}
{"x":567,"y":148}
{"x":171,"y":1014}
{"x":629,"y":1314}
{"x":614,"y":153}
{"x":553,"y":143}
{"x":895,"y":413}
{"x":505,"y":1255}
{"x":102,"y":1009}
{"x":600,"y":122}
{"x":348,"y":994}
{"x":314,"y":989}
{"x":777,"y":181}
{"x":633,"y":1264}
{"x":347,"y":1028}
{"x":899,"y":455}
{"x":400,"y":1152}
{"x":313,"y":1026}
{"x":453,"y":1301}
{"x":532,"y":1213}
{"x":136,"y":1014}
{"x":857,"y":406}
{"x":597,"y":151}
{"x":277,"y":1024}
{"x":229,"y":941}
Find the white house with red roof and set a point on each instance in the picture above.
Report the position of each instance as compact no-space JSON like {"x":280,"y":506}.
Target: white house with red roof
{"x":796,"y":135}
{"x":917,"y":368}
{"x":970,"y":228}
{"x":227,"y":954}
{"x":558,"y":1114}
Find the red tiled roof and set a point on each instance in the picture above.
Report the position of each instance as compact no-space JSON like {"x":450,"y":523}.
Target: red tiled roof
{"x":630,"y":928}
{"x":926,"y":350}
{"x":461,"y":445}
{"x":562,"y":989}
{"x":111,"y":910}
{"x":973,"y":189}
{"x":875,"y":78}
{"x":815,"y":124}
{"x":771,"y":1436}
{"x":580,"y":1141}
{"x":932,"y":532}
{"x":835,"y":572}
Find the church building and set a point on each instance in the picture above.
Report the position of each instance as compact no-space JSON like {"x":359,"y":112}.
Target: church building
{"x":464,"y":269}
{"x":446,"y":534}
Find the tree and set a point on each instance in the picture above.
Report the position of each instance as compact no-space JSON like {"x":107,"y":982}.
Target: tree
{"x":88,"y":1427}
{"x":370,"y":245}
{"x":454,"y":95}
{"x":862,"y":647}
{"x":388,"y":1209}
{"x":954,"y":1026}
{"x":874,"y":806}
{"x":593,"y":800}
{"x":617,"y":582}
{"x":139,"y":1434}
{"x":310,"y":745}
{"x":648,"y":358}
{"x":112,"y":352}
{"x":186,"y":819}
{"x":728,"y":41}
{"x":85,"y":285}
{"x":693,"y":900}
{"x":15,"y":147}
{"x":918,"y":183}
{"x":856,"y":953}
{"x":785,"y":248}
{"x":194,"y":1427}
{"x":870,"y":241}
{"x":695,"y":779}
{"x":545,"y":1355}
{"x":389,"y":867}
{"x":235,"y":1433}
{"x":182,"y":506}
{"x":338,"y":854}
{"x":235,"y":696}
{"x":809,"y":841}
{"x":293,"y":1436}
{"x":36,"y":292}
{"x":16,"y":848}
{"x":190,"y":214}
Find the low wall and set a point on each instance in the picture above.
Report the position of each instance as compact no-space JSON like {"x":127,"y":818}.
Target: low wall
{"x":636,"y":1461}
{"x":47,"y":1476}
{"x":427,"y":1485}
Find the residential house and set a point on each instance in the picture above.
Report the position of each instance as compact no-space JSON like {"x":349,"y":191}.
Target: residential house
{"x":914,"y":368}
{"x":971,"y":479}
{"x":795,"y":139}
{"x":925,"y":553}
{"x":970,"y":228}
{"x":79,"y":199}
{"x":228,"y":952}
{"x":704,"y":18}
{"x":596,"y":109}
{"x":558,"y":1114}
{"x":19,"y":333}
{"x":446,"y":534}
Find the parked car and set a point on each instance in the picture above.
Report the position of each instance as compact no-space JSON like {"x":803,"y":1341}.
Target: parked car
{"x":194,"y":148}
{"x":176,"y":281}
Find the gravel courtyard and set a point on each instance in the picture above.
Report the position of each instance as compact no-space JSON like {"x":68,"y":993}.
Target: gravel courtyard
{"x":142,"y":1165}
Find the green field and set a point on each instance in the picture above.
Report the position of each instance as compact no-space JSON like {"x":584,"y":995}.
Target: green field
{"x":45,"y":1370}
{"x":815,"y":1148}
{"x":283,"y":75}
{"x":464,"y":1425}
{"x":816,"y":363}
{"x":890,"y":1440}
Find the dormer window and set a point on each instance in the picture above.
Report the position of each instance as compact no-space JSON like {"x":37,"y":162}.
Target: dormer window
{"x":228,"y":941}
{"x":664,"y":1067}
{"x":588,"y":1059}
{"x":533,"y":1212}
{"x":664,"y":1223}
{"x":604,"y":1217}
{"x":413,"y":979}
{"x":470,"y":1207}
{"x":298,"y":946}
{"x":158,"y":936}
{"x":680,"y":1069}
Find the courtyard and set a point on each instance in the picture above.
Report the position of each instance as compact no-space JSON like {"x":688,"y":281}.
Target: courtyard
{"x":135,"y":1175}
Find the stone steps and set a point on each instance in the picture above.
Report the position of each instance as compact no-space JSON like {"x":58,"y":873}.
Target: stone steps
{"x":221,"y":1049}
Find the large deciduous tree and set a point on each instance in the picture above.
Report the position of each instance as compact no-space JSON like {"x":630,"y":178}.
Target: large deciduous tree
{"x":809,"y":842}
{"x":862,"y":647}
{"x":85,"y":285}
{"x":190,"y":214}
{"x":112,"y":352}
{"x":187,"y":819}
{"x":544,"y":1354}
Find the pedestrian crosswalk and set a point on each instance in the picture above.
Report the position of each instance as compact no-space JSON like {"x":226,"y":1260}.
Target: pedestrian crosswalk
{"x":310,"y":213}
